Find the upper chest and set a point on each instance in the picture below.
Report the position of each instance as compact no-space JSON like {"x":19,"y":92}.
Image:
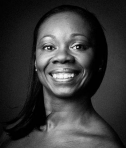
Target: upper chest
{"x":58,"y":140}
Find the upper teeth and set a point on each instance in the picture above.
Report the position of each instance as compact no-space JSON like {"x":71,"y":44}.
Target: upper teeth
{"x":63,"y":75}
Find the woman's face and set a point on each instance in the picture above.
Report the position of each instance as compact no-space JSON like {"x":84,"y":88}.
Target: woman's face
{"x":64,"y":54}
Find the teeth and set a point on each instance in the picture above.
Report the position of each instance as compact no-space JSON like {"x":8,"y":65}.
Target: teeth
{"x":63,"y":75}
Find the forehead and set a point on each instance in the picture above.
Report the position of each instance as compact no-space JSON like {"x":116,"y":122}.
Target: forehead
{"x":66,"y":21}
{"x":66,"y":16}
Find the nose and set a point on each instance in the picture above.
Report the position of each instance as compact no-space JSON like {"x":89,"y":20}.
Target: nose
{"x":63,"y":57}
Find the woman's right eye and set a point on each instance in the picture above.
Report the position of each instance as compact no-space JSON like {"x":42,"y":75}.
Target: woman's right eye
{"x":48,"y":47}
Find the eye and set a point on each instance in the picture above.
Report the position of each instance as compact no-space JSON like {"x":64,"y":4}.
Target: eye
{"x":48,"y":47}
{"x":79,"y":47}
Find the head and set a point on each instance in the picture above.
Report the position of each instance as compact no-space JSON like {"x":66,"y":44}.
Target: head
{"x":87,"y":60}
{"x":61,"y":22}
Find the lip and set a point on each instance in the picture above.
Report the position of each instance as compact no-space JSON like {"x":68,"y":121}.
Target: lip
{"x":64,"y":70}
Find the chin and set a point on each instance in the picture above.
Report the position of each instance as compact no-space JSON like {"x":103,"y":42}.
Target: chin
{"x":65,"y":92}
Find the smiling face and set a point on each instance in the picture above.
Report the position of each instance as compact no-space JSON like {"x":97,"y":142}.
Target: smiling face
{"x":64,"y":54}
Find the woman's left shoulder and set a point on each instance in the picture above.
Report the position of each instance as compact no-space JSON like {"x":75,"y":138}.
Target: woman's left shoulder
{"x":107,"y":134}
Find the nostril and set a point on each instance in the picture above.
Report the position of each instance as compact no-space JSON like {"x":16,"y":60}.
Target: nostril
{"x":54,"y":61}
{"x":63,"y":59}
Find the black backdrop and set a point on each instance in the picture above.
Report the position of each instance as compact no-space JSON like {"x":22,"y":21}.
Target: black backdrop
{"x":17,"y":21}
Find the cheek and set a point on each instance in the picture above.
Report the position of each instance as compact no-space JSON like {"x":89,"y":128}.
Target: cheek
{"x":86,"y":61}
{"x":41,"y":62}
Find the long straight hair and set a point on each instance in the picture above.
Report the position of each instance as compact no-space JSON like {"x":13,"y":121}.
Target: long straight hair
{"x":33,"y":115}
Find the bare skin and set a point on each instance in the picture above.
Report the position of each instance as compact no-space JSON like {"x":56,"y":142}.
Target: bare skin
{"x":72,"y":122}
{"x":65,"y":130}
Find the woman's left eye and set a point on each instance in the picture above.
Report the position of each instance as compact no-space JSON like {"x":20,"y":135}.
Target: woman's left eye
{"x":79,"y":47}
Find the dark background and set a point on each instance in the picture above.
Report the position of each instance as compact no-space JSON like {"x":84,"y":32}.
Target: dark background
{"x":17,"y":21}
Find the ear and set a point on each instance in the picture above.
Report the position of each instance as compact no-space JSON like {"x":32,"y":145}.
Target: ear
{"x":35,"y":63}
{"x":101,"y":66}
{"x":35,"y":66}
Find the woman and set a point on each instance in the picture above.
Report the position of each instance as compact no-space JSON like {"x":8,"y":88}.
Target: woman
{"x":68,"y":63}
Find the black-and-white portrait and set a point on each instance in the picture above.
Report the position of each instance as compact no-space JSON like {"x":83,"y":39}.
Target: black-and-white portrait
{"x":62,"y":74}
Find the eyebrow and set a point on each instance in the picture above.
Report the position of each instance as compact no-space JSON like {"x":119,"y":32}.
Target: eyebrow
{"x":77,"y":34}
{"x":72,"y":35}
{"x":52,"y":36}
{"x":48,"y":35}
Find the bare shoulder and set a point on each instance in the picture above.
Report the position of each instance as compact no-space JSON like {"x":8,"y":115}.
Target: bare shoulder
{"x":35,"y":140}
{"x":7,"y":142}
{"x":107,"y":143}
{"x":106,"y":136}
{"x":4,"y":139}
{"x":31,"y":140}
{"x":101,"y":141}
{"x":101,"y":136}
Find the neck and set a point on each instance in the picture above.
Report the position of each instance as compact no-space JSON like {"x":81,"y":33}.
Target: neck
{"x":66,"y":111}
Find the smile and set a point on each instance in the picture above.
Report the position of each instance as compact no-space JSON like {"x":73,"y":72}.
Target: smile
{"x":63,"y":76}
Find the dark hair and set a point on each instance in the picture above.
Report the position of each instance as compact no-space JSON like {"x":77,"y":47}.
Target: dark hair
{"x":33,"y":113}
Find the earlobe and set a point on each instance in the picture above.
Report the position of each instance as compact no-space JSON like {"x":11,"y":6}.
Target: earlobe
{"x":101,"y":65}
{"x":35,"y":66}
{"x":100,"y":68}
